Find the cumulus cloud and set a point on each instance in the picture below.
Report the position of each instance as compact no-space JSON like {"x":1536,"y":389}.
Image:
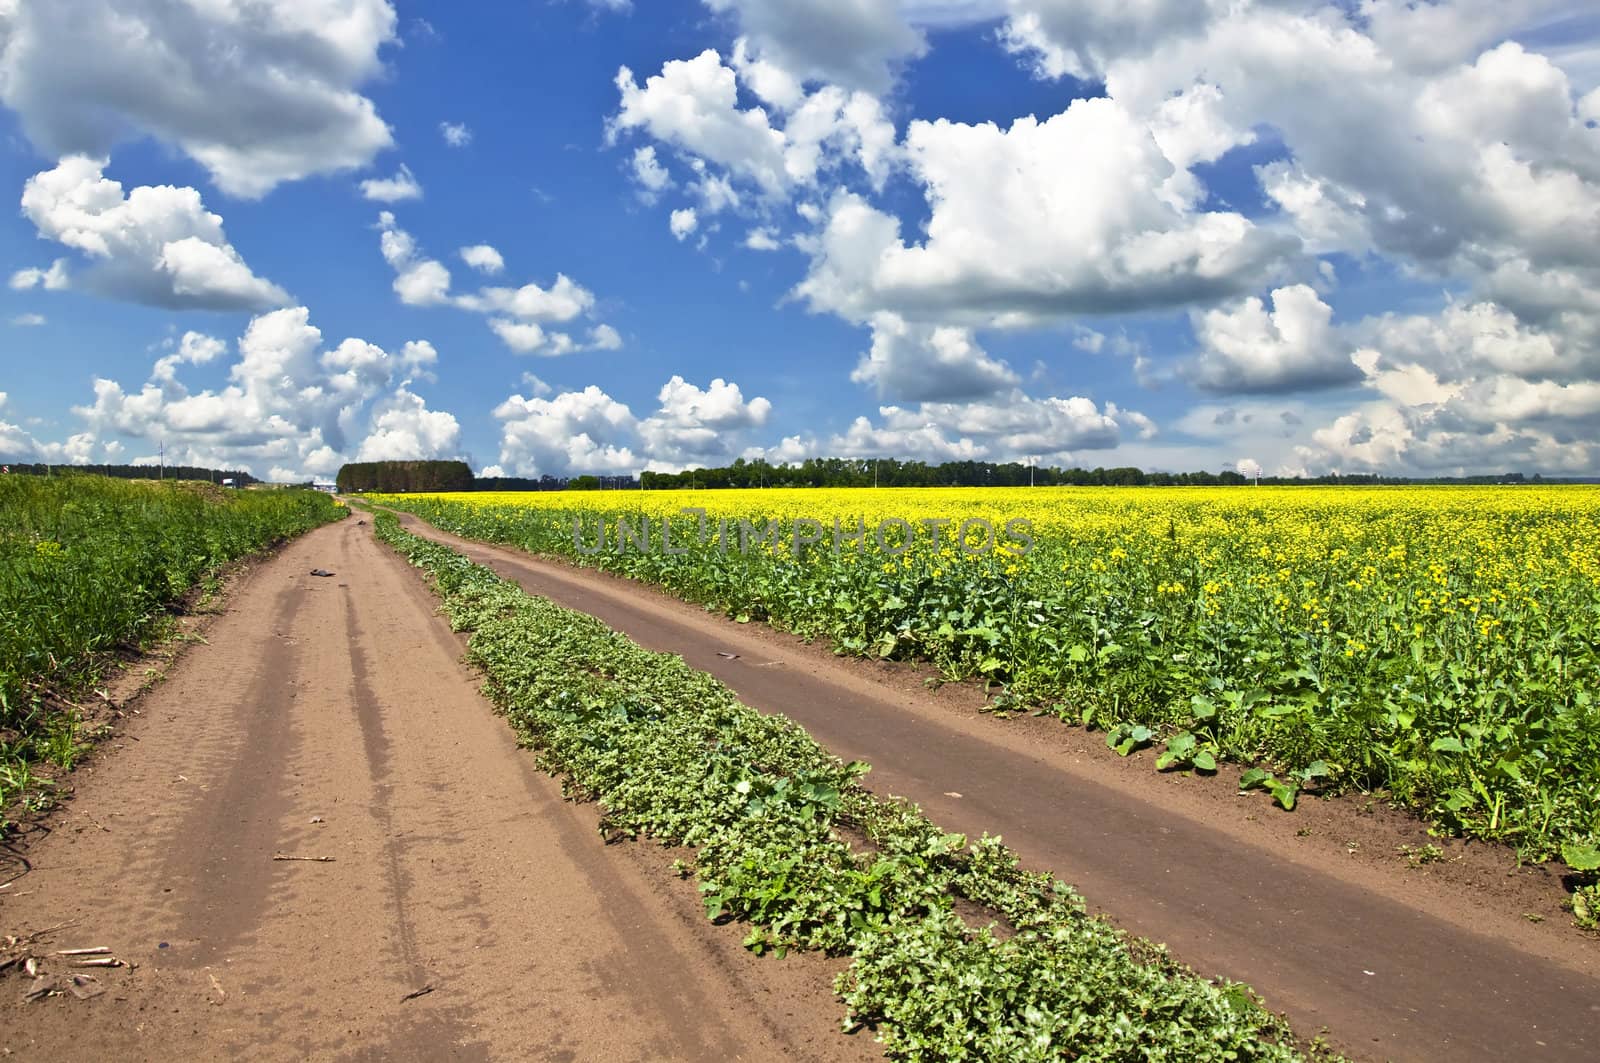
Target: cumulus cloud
{"x":455,"y":134}
{"x":1080,"y":213}
{"x":693,"y":106}
{"x":404,"y":429}
{"x":1469,"y":389}
{"x":291,"y":406}
{"x":156,"y":245}
{"x":28,"y":320}
{"x":652,"y":177}
{"x":683,"y":222}
{"x":18,"y":445}
{"x":256,"y":93}
{"x":573,"y":433}
{"x":1292,"y":347}
{"x":52,"y":278}
{"x":1068,"y":216}
{"x":853,"y":43}
{"x":1012,"y":426}
{"x":1468,"y":158}
{"x":1081,"y":37}
{"x":762,"y":238}
{"x":928,"y":363}
{"x":402,"y":186}
{"x":483,"y":258}
{"x":588,"y":431}
{"x":693,"y":425}
{"x":522,"y":317}
{"x":605,"y":338}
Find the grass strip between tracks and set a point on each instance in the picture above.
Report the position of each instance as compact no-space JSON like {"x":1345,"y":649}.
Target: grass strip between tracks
{"x":789,"y":842}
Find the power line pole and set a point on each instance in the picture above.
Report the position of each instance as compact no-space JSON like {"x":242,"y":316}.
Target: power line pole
{"x":161,"y":473}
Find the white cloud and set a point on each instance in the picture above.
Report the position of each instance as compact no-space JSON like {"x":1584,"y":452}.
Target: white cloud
{"x":195,"y":348}
{"x":423,"y":283}
{"x":1469,"y":389}
{"x":291,"y":408}
{"x":483,"y":258}
{"x":52,"y":278}
{"x":716,"y":193}
{"x":18,"y":445}
{"x":588,"y":431}
{"x":521,"y":317}
{"x":404,"y":429}
{"x":683,"y":222}
{"x":455,"y":134}
{"x":1246,"y":348}
{"x":402,"y":186}
{"x":257,"y":93}
{"x":157,"y":245}
{"x":693,"y":426}
{"x":762,"y":238}
{"x":1080,"y":37}
{"x":1081,"y":213}
{"x":1433,"y":440}
{"x":1012,"y":426}
{"x":853,"y":43}
{"x":693,"y":106}
{"x":923,"y":363}
{"x":573,"y":433}
{"x":561,"y":302}
{"x":28,"y":320}
{"x":653,"y":178}
{"x":1468,"y":159}
{"x":605,"y":338}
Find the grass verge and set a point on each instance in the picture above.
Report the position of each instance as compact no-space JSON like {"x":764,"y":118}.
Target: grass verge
{"x":670,"y":753}
{"x":90,"y":566}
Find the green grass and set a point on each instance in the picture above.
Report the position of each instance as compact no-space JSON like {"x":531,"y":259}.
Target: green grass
{"x":1433,"y":644}
{"x":670,"y":753}
{"x":89,"y":565}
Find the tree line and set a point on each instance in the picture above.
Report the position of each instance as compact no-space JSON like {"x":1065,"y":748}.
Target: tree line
{"x":134,"y":472}
{"x":394,"y":477}
{"x":891,"y":472}
{"x":843,"y":472}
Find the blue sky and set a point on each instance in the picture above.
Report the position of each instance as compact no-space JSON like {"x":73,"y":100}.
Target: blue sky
{"x":1179,"y":235}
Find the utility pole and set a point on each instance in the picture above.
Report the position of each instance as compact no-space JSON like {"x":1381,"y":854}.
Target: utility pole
{"x":161,"y":473}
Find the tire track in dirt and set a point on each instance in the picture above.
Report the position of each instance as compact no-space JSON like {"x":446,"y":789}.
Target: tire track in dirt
{"x":1388,"y":975}
{"x":332,"y":717}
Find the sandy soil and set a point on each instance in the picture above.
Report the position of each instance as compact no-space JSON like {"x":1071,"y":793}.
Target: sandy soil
{"x":1469,"y":958}
{"x":330,"y":717}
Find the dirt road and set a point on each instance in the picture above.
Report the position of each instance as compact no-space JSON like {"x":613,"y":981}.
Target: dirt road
{"x":1393,"y":965}
{"x":329,"y":717}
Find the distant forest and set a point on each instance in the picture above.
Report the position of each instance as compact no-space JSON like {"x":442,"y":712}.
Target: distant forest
{"x":837,"y":472}
{"x":135,"y":472}
{"x":392,"y":477}
{"x":889,"y":472}
{"x":413,"y":476}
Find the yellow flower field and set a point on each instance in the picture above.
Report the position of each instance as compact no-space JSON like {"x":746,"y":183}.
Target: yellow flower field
{"x":1435,"y":641}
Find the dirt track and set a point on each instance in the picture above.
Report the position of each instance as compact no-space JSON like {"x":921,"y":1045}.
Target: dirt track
{"x":1393,"y":964}
{"x":330,"y":717}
